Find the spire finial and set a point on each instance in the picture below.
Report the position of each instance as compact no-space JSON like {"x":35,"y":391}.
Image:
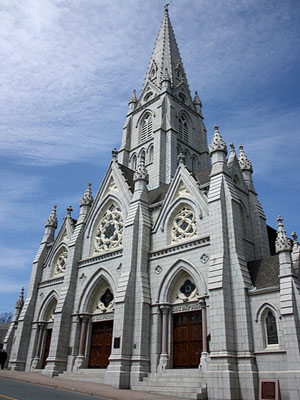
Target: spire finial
{"x":232,"y":147}
{"x":20,"y":301}
{"x":69,"y":210}
{"x":245,"y":164}
{"x":166,"y":7}
{"x":114,"y":154}
{"x":197,"y":98}
{"x":217,"y":143}
{"x":52,"y":219}
{"x":294,"y":236}
{"x":282,"y":242}
{"x":133,"y":98}
{"x":87,"y":198}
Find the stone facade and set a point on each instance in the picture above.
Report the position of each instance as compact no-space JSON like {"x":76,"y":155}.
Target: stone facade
{"x":170,"y":267}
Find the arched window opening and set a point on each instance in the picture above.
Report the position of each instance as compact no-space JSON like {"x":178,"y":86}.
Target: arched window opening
{"x":271,"y":329}
{"x":133,"y":162}
{"x":194,"y":164}
{"x":183,"y":130}
{"x":142,"y":155}
{"x":150,"y":154}
{"x":146,"y":128}
{"x":148,"y":96}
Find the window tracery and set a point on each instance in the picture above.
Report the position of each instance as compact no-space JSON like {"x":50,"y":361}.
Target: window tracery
{"x":104,"y":301}
{"x":184,"y":225}
{"x":185,"y":290}
{"x":60,"y":263}
{"x":109,"y":230}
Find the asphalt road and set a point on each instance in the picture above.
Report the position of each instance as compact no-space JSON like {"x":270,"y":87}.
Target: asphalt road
{"x":15,"y":390}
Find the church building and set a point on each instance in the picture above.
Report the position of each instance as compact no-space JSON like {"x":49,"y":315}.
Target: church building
{"x":169,"y":280}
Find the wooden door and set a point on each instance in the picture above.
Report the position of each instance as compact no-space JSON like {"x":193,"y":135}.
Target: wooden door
{"x":101,"y":344}
{"x":47,"y":346}
{"x":187,"y":339}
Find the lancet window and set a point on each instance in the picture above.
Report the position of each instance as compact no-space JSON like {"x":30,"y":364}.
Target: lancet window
{"x":146,"y":128}
{"x":183,"y":130}
{"x":109,"y":230}
{"x":184,"y":225}
{"x":271,"y":328}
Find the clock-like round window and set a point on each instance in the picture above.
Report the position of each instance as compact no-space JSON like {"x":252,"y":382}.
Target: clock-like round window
{"x":109,"y":230}
{"x":184,"y":225}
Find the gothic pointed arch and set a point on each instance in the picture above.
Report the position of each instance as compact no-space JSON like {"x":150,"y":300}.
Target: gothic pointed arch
{"x":174,"y":283}
{"x":98,"y":283}
{"x":48,"y":307}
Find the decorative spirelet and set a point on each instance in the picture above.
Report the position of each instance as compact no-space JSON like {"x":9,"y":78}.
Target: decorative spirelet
{"x":87,"y":198}
{"x":282,"y":242}
{"x":245,"y":164}
{"x":52,"y":219}
{"x":217,"y":143}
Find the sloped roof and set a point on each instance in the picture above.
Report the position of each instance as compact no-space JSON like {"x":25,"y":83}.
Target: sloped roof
{"x":264,"y":273}
{"x":128,"y":175}
{"x":203,"y":175}
{"x":158,"y":194}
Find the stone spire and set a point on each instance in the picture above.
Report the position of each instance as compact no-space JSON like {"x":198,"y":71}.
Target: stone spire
{"x":245,"y":164}
{"x":166,"y":57}
{"x":217,"y":143}
{"x":20,"y":301}
{"x":87,"y":198}
{"x":282,"y":242}
{"x":52,"y":219}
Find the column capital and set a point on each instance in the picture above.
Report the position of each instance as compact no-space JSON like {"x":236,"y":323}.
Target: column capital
{"x":85,"y":317}
{"x":202,"y":303}
{"x":41,"y":324}
{"x":165,"y":308}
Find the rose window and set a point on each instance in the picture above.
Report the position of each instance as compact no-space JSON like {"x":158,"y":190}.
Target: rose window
{"x":184,"y":225}
{"x":61,"y":263}
{"x":109,"y":230}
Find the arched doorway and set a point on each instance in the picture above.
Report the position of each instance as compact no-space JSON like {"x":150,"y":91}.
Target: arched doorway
{"x":102,"y":328}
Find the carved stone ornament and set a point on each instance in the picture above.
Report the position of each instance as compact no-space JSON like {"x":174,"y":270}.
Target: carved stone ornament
{"x":204,"y":258}
{"x":105,"y":301}
{"x":217,"y":143}
{"x":60,"y":265}
{"x":82,"y":277}
{"x":186,"y":292}
{"x":109,"y":230}
{"x":245,"y":164}
{"x":282,"y":242}
{"x":41,"y":295}
{"x":20,"y":301}
{"x":87,"y":198}
{"x":184,"y":225}
{"x":158,"y":269}
{"x":141,"y":171}
{"x":52,"y":219}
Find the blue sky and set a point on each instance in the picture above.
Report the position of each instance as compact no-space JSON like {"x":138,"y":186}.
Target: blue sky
{"x":69,"y":67}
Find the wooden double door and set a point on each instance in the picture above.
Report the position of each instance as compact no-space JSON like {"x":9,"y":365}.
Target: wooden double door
{"x":101,"y":344}
{"x":187,"y":339}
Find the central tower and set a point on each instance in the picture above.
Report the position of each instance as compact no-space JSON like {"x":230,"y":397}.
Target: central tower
{"x":164,"y":121}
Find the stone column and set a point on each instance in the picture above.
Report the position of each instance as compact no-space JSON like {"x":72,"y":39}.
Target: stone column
{"x":164,"y":355}
{"x":204,"y":354}
{"x":37,"y":362}
{"x":81,"y":358}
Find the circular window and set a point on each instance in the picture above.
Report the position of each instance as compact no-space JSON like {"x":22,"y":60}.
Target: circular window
{"x":109,"y":230}
{"x":184,"y":225}
{"x":61,"y":262}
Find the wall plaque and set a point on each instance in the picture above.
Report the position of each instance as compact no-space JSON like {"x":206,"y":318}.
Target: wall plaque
{"x":268,"y":389}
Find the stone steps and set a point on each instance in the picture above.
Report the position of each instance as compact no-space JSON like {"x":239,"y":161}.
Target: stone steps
{"x":85,"y":375}
{"x":185,"y":384}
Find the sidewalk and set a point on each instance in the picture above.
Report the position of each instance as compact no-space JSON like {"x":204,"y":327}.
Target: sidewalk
{"x":93,"y":389}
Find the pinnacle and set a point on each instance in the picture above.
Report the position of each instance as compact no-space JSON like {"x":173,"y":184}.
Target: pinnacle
{"x":245,"y":164}
{"x":87,"y":198}
{"x":52,"y":219}
{"x":217,"y":143}
{"x":282,"y":242}
{"x":141,"y":171}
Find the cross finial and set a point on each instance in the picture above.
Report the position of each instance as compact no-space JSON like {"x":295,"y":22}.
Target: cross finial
{"x":69,"y":210}
{"x":167,"y":8}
